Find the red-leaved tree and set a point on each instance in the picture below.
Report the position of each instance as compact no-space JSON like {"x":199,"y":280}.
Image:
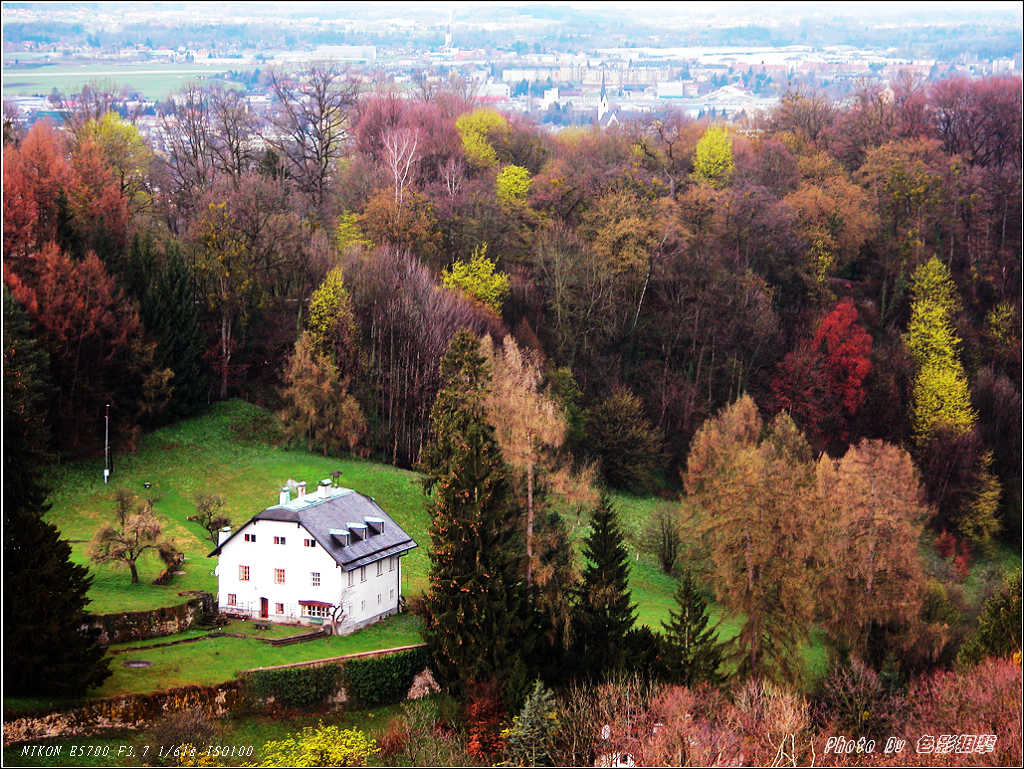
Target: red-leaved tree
{"x":821,"y":383}
{"x":98,"y":353}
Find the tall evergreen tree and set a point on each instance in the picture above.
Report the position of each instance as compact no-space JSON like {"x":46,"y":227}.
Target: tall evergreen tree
{"x":45,"y":651}
{"x":479,"y":627}
{"x":27,"y":392}
{"x":164,"y":289}
{"x":604,"y":615}
{"x":691,"y":646}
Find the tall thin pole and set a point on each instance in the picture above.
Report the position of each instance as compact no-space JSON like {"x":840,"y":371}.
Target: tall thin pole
{"x":106,"y":447}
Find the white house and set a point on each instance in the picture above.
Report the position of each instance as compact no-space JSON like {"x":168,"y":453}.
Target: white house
{"x":332,"y":556}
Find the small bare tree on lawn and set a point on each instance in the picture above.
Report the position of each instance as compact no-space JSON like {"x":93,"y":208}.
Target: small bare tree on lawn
{"x":209,"y":515}
{"x":338,"y":613}
{"x":661,"y":536}
{"x":138,"y":530}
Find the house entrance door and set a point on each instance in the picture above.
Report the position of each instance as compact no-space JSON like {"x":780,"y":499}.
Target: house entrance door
{"x":264,"y":608}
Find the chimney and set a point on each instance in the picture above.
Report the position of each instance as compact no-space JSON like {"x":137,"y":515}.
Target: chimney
{"x":301,"y":489}
{"x":323,"y":489}
{"x":223,"y":535}
{"x":286,"y":496}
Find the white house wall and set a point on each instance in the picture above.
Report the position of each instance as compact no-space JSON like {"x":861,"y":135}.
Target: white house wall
{"x":363,"y":601}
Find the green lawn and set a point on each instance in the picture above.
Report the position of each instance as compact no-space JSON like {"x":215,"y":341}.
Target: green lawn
{"x":208,"y":455}
{"x":220,"y":659}
{"x":221,"y":452}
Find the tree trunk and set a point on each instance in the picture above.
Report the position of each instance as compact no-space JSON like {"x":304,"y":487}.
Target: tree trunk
{"x":135,"y":572}
{"x":529,"y":524}
{"x":225,"y":353}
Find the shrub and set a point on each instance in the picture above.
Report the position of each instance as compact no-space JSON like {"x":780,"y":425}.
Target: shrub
{"x":998,"y":633}
{"x":854,"y":700}
{"x":320,"y":746}
{"x":421,"y":736}
{"x":183,"y":728}
{"x":984,"y":700}
{"x":383,"y":680}
{"x":484,"y":715}
{"x":296,"y":687}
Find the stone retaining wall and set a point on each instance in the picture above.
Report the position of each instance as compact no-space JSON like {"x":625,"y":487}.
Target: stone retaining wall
{"x":129,"y":711}
{"x":154,"y":623}
{"x":133,"y":711}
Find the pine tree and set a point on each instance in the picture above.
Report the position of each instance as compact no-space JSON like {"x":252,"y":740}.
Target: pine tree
{"x":478,"y":626}
{"x":46,"y":652}
{"x":530,"y":740}
{"x":604,"y":615}
{"x":692,"y":650}
{"x":27,"y":391}
{"x":165,"y":292}
{"x":36,"y":561}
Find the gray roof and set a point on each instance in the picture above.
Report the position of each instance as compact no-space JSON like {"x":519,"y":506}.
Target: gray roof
{"x":340,"y":508}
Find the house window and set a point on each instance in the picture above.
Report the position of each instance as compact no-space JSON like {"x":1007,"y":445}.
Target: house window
{"x":391,"y":563}
{"x":362,"y":606}
{"x":314,"y":578}
{"x":243,"y":573}
{"x":351,"y":578}
{"x":278,"y":608}
{"x":316,"y":611}
{"x":278,"y":576}
{"x":392,"y":594}
{"x":380,"y":568}
{"x":309,"y":542}
{"x":232,"y":599}
{"x":250,"y":537}
{"x":378,"y":599}
{"x":279,"y":540}
{"x":362,"y":574}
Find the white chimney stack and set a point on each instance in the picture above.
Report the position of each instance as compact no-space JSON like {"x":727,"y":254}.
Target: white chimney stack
{"x":223,"y":535}
{"x":324,"y":488}
{"x":301,"y":489}
{"x":286,"y":496}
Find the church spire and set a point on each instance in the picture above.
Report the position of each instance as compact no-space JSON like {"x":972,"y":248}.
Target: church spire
{"x":602,"y":104}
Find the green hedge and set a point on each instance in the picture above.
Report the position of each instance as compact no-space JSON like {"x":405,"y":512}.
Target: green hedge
{"x":301,"y":686}
{"x":383,"y":680}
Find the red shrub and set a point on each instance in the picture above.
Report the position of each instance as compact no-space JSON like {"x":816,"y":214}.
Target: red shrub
{"x":945,"y":543}
{"x":395,"y":739}
{"x":484,"y":716}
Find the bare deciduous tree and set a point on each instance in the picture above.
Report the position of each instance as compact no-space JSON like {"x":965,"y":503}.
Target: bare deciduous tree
{"x":189,"y":146}
{"x":209,"y":515}
{"x":234,"y":131}
{"x":310,"y":125}
{"x":400,"y":154}
{"x":138,"y":530}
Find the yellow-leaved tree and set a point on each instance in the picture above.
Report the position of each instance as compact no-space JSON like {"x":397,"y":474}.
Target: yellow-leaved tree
{"x":943,"y":420}
{"x":712,"y":163}
{"x":940,"y":393}
{"x":482,"y":131}
{"x":478,"y":279}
